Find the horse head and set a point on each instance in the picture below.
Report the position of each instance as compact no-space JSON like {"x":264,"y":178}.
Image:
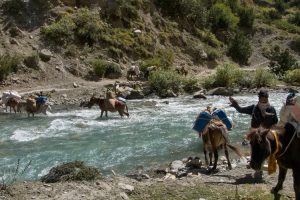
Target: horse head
{"x":260,"y":148}
{"x":93,"y":101}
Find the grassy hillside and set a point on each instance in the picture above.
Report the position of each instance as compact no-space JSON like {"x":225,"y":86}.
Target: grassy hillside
{"x":198,"y":34}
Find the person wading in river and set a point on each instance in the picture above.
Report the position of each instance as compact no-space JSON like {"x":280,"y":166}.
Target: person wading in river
{"x":263,"y":115}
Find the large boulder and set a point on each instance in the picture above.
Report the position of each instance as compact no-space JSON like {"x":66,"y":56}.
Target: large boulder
{"x":222,"y":91}
{"x":199,"y":95}
{"x":45,"y":55}
{"x":135,"y":94}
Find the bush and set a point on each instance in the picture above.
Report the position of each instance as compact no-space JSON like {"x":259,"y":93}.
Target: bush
{"x":191,"y":84}
{"x":89,"y":26}
{"x":240,"y":49}
{"x":245,"y":80}
{"x":13,"y":7}
{"x":293,"y":77}
{"x":287,"y":26}
{"x":226,"y":76}
{"x":61,"y":31}
{"x":246,"y":17}
{"x":221,"y":17}
{"x":163,"y":81}
{"x":263,"y":78}
{"x":209,"y":38}
{"x":280,"y":5}
{"x":281,"y":61}
{"x":295,"y":19}
{"x":106,"y":69}
{"x":8,"y":64}
{"x":32,"y":61}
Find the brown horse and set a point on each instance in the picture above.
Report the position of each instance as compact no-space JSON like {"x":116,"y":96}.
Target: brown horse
{"x":33,"y":108}
{"x":284,"y":147}
{"x":12,"y":103}
{"x":111,"y":105}
{"x":214,"y":137}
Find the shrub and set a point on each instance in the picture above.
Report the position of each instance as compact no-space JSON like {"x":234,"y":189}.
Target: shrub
{"x":106,"y":69}
{"x":246,"y":17}
{"x":263,"y":78}
{"x":162,"y":81}
{"x":191,"y":84}
{"x":293,"y":77}
{"x":150,"y":62}
{"x":281,"y":61}
{"x":280,"y":5}
{"x":99,"y":67}
{"x":296,"y":44}
{"x":240,"y":49}
{"x":61,"y":31}
{"x":287,"y":26}
{"x":8,"y":64}
{"x":13,"y":7}
{"x":209,"y":38}
{"x":221,"y":17}
{"x":226,"y":76}
{"x":32,"y":61}
{"x":89,"y":26}
{"x":295,"y":19}
{"x":245,"y":80}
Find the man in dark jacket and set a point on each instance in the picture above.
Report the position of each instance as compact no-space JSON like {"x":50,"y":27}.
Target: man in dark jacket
{"x":263,"y":114}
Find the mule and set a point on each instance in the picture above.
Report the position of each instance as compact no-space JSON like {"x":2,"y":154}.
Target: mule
{"x":12,"y":103}
{"x":215,"y":136}
{"x":111,"y":105}
{"x":33,"y":108}
{"x":284,"y":146}
{"x":133,"y":71}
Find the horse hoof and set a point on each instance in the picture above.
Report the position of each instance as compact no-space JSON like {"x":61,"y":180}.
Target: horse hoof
{"x":275,"y":190}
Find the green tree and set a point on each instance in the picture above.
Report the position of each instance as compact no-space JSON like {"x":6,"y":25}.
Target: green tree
{"x":240,"y":49}
{"x":281,"y":61}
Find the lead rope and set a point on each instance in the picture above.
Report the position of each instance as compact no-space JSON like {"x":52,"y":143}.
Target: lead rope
{"x":288,"y":145}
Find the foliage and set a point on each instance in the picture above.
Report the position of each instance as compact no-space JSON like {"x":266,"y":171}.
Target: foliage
{"x":61,"y":31}
{"x":240,"y":49}
{"x":13,"y":7}
{"x":246,"y":17}
{"x":226,"y":76}
{"x":209,"y":38}
{"x":191,"y":84}
{"x":163,"y":81}
{"x":296,"y":44}
{"x":107,"y":69}
{"x":32,"y":61}
{"x":8,"y":64}
{"x":281,"y":61}
{"x":293,"y":77}
{"x":245,"y":80}
{"x":280,"y":5}
{"x":89,"y":26}
{"x":263,"y":78}
{"x":295,"y":19}
{"x":221,"y":17}
{"x":287,"y":26}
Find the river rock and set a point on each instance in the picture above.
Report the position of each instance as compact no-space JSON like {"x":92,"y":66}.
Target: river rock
{"x":45,"y":55}
{"x":199,"y":95}
{"x":222,"y":91}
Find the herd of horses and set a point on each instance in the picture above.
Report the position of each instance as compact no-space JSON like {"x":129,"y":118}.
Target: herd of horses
{"x":282,"y":144}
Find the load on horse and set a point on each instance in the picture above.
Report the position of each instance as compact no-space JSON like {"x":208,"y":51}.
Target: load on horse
{"x":36,"y":105}
{"x":11,"y":99}
{"x":110,"y":103}
{"x":213,"y":128}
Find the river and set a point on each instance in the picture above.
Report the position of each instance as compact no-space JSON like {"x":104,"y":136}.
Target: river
{"x":155,"y":133}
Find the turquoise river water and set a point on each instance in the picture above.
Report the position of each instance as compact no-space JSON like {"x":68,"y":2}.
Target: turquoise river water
{"x":155,"y":133}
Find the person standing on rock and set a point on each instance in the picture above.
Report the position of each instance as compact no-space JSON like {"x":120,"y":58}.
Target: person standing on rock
{"x":263,"y":115}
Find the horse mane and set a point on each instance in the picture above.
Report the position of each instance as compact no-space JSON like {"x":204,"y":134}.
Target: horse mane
{"x":256,"y":134}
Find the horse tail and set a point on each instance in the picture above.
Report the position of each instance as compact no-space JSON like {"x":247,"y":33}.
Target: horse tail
{"x":235,"y":149}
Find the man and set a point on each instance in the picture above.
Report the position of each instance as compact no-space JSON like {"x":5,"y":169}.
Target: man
{"x":263,"y":114}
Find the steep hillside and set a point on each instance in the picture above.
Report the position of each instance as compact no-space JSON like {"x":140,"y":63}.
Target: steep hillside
{"x":67,"y":40}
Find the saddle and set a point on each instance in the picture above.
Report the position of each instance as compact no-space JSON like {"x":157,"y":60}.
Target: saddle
{"x":216,"y":124}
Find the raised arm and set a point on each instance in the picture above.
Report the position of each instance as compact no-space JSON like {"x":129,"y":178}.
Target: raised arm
{"x":246,"y":110}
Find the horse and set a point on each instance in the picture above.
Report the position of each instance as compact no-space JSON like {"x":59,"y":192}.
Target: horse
{"x":282,"y":145}
{"x":12,"y":103}
{"x":109,"y":104}
{"x":216,"y":136}
{"x":133,"y":71}
{"x":33,"y":108}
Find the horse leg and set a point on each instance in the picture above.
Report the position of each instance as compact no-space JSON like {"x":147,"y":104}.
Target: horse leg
{"x":281,"y":177}
{"x":214,"y":150}
{"x":205,"y":155}
{"x":120,"y":112}
{"x":227,"y":157}
{"x":106,"y":113}
{"x":210,"y":158}
{"x":102,"y":111}
{"x":296,"y":175}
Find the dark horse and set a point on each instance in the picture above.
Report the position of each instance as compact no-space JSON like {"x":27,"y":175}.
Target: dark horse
{"x":111,"y":105}
{"x":217,"y":136}
{"x":285,"y":146}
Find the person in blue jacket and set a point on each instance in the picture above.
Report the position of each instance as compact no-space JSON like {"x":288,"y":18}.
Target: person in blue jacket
{"x":263,"y":114}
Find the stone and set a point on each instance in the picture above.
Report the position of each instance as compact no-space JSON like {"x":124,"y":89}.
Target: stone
{"x":124,"y":196}
{"x":45,"y":55}
{"x":126,"y":187}
{"x":75,"y":85}
{"x":222,"y":91}
{"x":199,"y":95}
